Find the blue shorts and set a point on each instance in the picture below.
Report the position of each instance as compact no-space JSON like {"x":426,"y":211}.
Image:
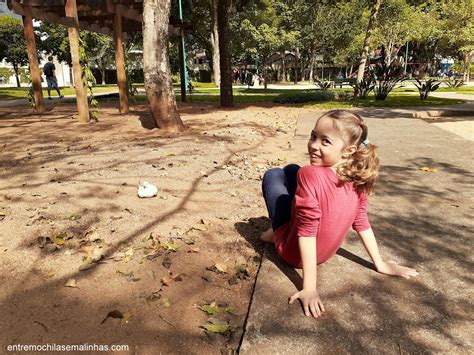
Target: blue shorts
{"x":279,"y":187}
{"x":52,"y":82}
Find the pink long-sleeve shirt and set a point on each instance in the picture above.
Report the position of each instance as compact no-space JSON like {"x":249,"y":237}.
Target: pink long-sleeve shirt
{"x":322,"y":208}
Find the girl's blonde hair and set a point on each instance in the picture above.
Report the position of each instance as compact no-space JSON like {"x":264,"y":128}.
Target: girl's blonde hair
{"x":362,"y":167}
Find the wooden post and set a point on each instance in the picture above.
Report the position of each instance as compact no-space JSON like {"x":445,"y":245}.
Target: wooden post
{"x":33,"y":59}
{"x":120,"y":63}
{"x":81,"y":95}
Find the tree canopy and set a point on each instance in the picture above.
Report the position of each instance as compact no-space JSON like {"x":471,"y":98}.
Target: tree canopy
{"x":12,"y":43}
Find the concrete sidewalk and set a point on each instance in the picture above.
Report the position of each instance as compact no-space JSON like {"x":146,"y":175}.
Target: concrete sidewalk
{"x":421,"y":219}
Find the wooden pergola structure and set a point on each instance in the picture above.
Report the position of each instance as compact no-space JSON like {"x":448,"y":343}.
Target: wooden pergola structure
{"x":111,"y":17}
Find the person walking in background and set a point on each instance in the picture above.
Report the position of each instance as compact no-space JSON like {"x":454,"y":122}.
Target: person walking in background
{"x":49,"y":71}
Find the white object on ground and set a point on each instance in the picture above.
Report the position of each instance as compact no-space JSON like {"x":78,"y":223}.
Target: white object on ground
{"x":145,"y":189}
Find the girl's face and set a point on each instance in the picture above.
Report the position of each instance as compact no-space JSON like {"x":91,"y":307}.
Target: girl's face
{"x":325,"y":146}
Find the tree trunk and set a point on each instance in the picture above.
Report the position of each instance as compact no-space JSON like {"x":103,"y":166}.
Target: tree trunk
{"x":17,"y":75}
{"x":311,"y":68}
{"x":295,"y":63}
{"x":283,"y":67}
{"x":216,"y":68}
{"x":264,"y":62}
{"x":365,"y":47}
{"x":467,"y":66}
{"x":102,"y":71}
{"x":156,"y":66}
{"x":71,"y":76}
{"x":223,"y":9}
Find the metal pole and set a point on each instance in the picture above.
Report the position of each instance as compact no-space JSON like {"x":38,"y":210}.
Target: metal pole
{"x":406,"y":58}
{"x":184,"y":72}
{"x":256,"y":61}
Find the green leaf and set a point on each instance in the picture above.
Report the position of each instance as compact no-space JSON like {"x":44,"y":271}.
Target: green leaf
{"x":170,"y":246}
{"x":59,"y":239}
{"x":230,"y":310}
{"x":217,"y":328}
{"x":73,"y":216}
{"x":211,"y":309}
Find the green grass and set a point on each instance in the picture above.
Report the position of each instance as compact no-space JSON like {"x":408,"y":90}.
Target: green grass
{"x":399,"y":100}
{"x":396,"y":99}
{"x":393,"y":100}
{"x":469,"y":90}
{"x":22,"y":93}
{"x":196,"y":85}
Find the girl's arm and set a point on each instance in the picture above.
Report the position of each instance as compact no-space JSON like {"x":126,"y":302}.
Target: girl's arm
{"x":389,"y":268}
{"x":308,"y":296}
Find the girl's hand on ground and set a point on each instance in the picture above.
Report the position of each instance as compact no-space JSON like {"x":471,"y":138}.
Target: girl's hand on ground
{"x":311,"y":301}
{"x":392,"y":268}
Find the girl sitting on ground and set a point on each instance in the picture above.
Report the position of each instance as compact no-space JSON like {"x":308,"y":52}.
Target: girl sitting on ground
{"x":313,"y":207}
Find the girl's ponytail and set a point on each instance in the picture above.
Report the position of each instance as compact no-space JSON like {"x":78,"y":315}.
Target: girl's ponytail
{"x":362,"y":167}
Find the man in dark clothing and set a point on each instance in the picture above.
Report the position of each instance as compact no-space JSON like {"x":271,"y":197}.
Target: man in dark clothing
{"x":49,"y":71}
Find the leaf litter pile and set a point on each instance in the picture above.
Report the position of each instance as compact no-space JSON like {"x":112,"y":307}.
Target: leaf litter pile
{"x":85,"y":260}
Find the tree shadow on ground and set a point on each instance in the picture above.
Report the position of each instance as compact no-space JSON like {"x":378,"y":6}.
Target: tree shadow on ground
{"x":420,"y":220}
{"x":251,"y":230}
{"x":37,"y":299}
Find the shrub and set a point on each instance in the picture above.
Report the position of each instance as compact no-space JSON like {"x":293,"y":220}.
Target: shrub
{"x":6,"y":74}
{"x":424,"y":88}
{"x":365,"y":87}
{"x":386,"y":74}
{"x":454,"y":83}
{"x":304,"y":96}
{"x":176,"y":78}
{"x":324,"y":85}
{"x":386,"y":77}
{"x":24,"y":74}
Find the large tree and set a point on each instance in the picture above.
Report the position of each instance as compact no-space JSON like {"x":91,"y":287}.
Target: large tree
{"x":12,"y":44}
{"x":101,"y":51}
{"x":364,"y":54}
{"x":158,"y":86}
{"x":223,"y":10}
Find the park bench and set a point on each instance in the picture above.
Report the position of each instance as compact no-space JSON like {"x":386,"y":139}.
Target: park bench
{"x":344,"y":81}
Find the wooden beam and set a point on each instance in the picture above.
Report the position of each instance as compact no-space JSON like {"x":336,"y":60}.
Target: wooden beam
{"x":33,"y":59}
{"x":120,"y":64}
{"x":73,"y":31}
{"x":38,"y":14}
{"x":52,"y":11}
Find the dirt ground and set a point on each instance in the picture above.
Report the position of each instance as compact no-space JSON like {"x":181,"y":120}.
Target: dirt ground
{"x":85,"y":261}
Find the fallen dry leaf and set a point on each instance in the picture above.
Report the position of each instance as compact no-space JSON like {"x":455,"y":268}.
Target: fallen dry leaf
{"x":43,"y":241}
{"x":154,"y":296}
{"x":221,"y":267}
{"x":167,"y":280}
{"x":165,"y":302}
{"x":166,"y":262}
{"x":113,"y":314}
{"x":429,"y":170}
{"x":205,"y":222}
{"x":71,"y":283}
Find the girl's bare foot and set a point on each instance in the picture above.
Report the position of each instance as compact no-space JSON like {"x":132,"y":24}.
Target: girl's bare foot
{"x":267,"y":236}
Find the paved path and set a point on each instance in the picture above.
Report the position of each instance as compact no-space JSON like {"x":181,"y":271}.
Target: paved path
{"x":421,"y":219}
